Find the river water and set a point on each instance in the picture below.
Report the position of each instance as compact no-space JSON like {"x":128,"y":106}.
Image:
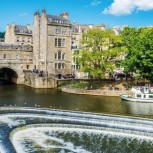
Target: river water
{"x":49,"y":120}
{"x":23,"y":96}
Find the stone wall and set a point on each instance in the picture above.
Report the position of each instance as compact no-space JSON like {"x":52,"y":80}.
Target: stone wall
{"x":16,"y":58}
{"x":99,"y":92}
{"x":33,"y":80}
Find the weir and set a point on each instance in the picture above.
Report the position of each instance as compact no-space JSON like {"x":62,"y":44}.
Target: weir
{"x":68,"y":131}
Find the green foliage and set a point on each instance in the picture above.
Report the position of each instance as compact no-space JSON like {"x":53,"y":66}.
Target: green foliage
{"x":2,"y":34}
{"x":100,"y":52}
{"x":139,"y":55}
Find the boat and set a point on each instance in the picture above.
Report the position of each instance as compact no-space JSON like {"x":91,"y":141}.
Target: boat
{"x":139,"y":94}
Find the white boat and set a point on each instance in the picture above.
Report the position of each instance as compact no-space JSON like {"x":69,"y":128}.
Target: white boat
{"x":139,"y":94}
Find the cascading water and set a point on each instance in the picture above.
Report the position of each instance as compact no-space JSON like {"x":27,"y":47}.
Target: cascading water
{"x":41,"y":130}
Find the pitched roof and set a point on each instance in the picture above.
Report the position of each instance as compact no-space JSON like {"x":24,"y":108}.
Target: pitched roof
{"x":22,"y":29}
{"x":57,"y":19}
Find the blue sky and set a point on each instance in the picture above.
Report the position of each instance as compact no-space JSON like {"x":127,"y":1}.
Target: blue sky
{"x":109,"y":12}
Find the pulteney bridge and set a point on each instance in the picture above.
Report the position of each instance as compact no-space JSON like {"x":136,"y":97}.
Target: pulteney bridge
{"x":14,"y":59}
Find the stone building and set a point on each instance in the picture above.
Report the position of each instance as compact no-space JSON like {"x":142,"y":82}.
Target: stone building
{"x":18,"y":34}
{"x":52,"y":45}
{"x":77,"y":32}
{"x":16,"y":59}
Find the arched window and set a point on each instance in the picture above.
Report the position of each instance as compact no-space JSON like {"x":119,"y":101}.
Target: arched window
{"x":59,"y":55}
{"x":63,"y":56}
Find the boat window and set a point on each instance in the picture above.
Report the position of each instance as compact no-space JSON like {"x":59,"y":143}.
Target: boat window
{"x":138,"y":96}
{"x":150,"y":96}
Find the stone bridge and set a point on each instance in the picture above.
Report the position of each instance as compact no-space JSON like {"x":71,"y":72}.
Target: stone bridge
{"x":14,"y":59}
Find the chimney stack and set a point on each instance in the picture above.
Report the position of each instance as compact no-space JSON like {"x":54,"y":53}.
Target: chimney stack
{"x":65,"y":15}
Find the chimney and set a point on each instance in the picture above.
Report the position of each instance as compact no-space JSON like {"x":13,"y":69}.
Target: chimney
{"x":74,"y":22}
{"x":36,"y":13}
{"x":65,"y":15}
{"x":28,"y":27}
{"x":8,"y":26}
{"x":13,"y":24}
{"x":44,"y":11}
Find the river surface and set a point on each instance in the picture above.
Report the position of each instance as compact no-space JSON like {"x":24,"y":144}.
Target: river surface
{"x":23,"y":96}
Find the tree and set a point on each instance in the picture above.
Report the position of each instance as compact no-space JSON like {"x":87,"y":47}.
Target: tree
{"x":2,"y":34}
{"x":100,"y":50}
{"x":139,"y":55}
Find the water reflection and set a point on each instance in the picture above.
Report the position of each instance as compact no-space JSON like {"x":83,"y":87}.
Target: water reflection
{"x":23,"y":96}
{"x":139,"y":108}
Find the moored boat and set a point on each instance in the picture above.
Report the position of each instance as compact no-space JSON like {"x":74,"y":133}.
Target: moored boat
{"x":139,"y":94}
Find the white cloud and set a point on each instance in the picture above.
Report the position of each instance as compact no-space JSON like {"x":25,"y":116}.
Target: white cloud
{"x":125,"y":7}
{"x":23,"y":14}
{"x":95,"y":3}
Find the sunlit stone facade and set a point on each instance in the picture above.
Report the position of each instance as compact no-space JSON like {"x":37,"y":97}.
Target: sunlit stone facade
{"x":52,"y":43}
{"x":18,"y":34}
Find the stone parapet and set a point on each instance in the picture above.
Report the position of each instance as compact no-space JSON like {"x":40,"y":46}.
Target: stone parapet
{"x":9,"y":47}
{"x":98,"y":92}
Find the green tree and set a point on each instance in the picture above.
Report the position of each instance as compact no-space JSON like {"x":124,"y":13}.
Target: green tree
{"x":2,"y":34}
{"x":139,"y":55}
{"x":100,"y":51}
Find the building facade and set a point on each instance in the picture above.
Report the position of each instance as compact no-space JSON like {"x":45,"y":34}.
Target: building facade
{"x":52,"y":43}
{"x":18,"y":34}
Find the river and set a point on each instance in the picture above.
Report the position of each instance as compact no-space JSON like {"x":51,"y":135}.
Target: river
{"x":24,"y":96}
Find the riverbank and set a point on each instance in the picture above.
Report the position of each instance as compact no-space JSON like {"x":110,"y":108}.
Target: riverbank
{"x":98,"y":92}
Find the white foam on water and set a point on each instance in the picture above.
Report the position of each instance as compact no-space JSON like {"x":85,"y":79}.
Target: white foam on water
{"x":10,"y":121}
{"x":38,"y":136}
{"x":2,"y":149}
{"x":111,"y":124}
{"x":127,"y":127}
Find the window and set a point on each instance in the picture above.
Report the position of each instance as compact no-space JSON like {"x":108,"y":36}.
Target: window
{"x":59,"y":65}
{"x":55,"y":55}
{"x":55,"y":65}
{"x":28,"y":39}
{"x":23,"y":40}
{"x":63,"y":66}
{"x":138,"y":96}
{"x":150,"y":96}
{"x":63,"y":56}
{"x":17,"y":56}
{"x":64,"y":31}
{"x":4,"y":56}
{"x":62,"y":42}
{"x":18,"y":39}
{"x":27,"y":66}
{"x":59,"y":55}
{"x":55,"y":41}
{"x":59,"y":42}
{"x":58,"y":30}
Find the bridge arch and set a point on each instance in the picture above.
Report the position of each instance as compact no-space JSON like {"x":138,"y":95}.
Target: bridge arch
{"x":10,"y":74}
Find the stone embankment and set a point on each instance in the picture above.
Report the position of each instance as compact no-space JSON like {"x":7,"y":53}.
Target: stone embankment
{"x":98,"y":92}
